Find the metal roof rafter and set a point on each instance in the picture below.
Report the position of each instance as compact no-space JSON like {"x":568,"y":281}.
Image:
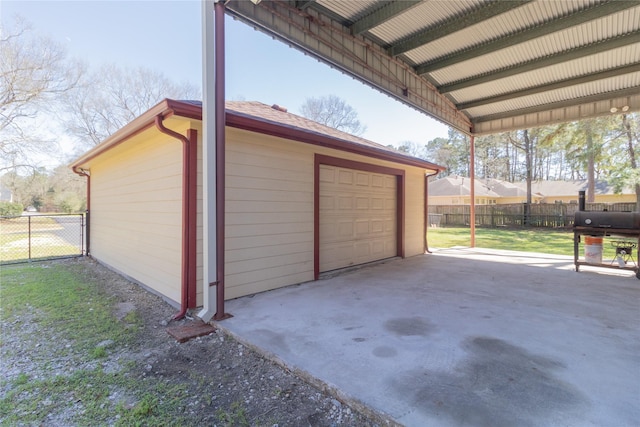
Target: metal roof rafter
{"x":332,"y":43}
{"x":570,"y":81}
{"x":622,"y":93}
{"x":594,"y":12}
{"x":303,"y":4}
{"x":381,"y":15}
{"x":556,"y":58}
{"x":487,"y":11}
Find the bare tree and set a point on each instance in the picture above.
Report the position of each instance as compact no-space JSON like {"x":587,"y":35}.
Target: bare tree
{"x":633,"y":141}
{"x":34,"y":73}
{"x":334,"y":112}
{"x":413,"y":149}
{"x":111,"y":97}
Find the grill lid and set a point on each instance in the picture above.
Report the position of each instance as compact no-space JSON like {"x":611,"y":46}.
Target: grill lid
{"x":598,"y":219}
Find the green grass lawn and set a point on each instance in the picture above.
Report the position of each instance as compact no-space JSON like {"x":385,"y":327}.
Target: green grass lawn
{"x":15,"y":247}
{"x":557,"y":242}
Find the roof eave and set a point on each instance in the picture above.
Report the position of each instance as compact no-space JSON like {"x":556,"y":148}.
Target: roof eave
{"x":138,"y":125}
{"x":169,"y":107}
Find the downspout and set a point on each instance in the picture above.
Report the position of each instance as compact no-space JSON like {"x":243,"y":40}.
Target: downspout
{"x":186,"y":185}
{"x":86,"y":173}
{"x":426,"y":209}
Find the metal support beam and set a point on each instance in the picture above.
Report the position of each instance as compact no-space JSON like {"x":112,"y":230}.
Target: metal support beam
{"x":582,"y":16}
{"x":213,"y":135}
{"x":571,"y":81}
{"x":381,"y":15}
{"x":487,"y":11}
{"x":622,"y":93}
{"x":472,"y":190}
{"x":332,"y":43}
{"x":208,"y":162}
{"x":598,"y":105}
{"x":535,"y":64}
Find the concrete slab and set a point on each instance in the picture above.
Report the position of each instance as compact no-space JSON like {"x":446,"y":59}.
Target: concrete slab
{"x":463,"y":337}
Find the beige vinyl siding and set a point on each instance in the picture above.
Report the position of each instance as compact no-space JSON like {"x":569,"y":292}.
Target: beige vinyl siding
{"x":414,"y":211}
{"x":269,"y":211}
{"x":136,"y":211}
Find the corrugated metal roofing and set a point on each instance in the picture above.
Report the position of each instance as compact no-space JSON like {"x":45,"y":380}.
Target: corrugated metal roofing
{"x":550,"y":60}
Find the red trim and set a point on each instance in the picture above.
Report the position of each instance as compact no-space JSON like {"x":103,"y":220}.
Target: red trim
{"x":169,"y":107}
{"x":316,"y":217}
{"x":400,"y":184}
{"x":275,"y":129}
{"x":192,"y":285}
{"x":321,"y":159}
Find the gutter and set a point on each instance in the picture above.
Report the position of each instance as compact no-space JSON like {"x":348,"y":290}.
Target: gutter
{"x":189,"y":177}
{"x":426,"y":209}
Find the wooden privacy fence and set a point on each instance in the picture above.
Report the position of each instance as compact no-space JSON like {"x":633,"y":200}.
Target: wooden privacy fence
{"x":550,"y":215}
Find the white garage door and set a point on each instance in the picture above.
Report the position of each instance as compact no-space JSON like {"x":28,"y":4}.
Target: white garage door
{"x":357,"y":217}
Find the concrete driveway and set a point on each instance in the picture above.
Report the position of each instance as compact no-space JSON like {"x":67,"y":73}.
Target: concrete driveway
{"x":463,"y":337}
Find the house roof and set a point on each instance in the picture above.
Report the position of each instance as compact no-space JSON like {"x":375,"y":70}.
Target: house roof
{"x":459,"y":186}
{"x":480,"y":66}
{"x":260,"y":118}
{"x":566,"y":188}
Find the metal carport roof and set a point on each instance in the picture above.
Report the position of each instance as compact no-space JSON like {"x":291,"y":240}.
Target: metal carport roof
{"x":479,"y":66}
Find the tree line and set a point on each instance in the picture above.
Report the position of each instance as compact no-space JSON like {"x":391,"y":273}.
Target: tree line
{"x":600,"y":149}
{"x":47,"y":98}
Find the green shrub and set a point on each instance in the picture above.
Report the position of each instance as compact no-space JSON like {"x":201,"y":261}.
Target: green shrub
{"x":10,"y":209}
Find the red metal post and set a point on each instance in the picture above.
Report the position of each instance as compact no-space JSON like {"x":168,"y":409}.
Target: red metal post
{"x":472,"y":191}
{"x":219,"y":53}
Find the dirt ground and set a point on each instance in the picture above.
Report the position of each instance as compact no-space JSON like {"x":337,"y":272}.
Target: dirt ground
{"x":229,"y":384}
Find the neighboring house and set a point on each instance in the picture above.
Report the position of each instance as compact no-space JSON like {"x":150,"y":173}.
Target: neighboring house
{"x":567,"y":192}
{"x":301,"y":199}
{"x":454,"y":190}
{"x":6,"y":195}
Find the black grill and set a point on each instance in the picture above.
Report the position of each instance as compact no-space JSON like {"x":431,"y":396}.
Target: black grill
{"x":616,"y":220}
{"x":623,"y":227}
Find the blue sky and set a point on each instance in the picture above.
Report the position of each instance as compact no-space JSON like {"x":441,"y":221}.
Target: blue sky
{"x":166,"y":36}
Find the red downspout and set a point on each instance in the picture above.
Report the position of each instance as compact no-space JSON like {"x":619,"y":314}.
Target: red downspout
{"x":219,"y":46}
{"x":186,"y":185}
{"x":426,"y":209}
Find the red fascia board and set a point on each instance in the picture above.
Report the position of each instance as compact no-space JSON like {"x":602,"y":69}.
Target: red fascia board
{"x":250,"y":123}
{"x":169,"y":107}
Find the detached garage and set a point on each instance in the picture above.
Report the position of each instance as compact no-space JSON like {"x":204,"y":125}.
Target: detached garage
{"x":301,"y":199}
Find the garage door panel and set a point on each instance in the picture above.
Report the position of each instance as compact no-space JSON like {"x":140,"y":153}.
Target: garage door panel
{"x":362,"y":203}
{"x":326,"y":203}
{"x":345,"y":202}
{"x":378,"y":203}
{"x":345,"y":177}
{"x":362,"y":179}
{"x":362,"y":228}
{"x":358,"y":225}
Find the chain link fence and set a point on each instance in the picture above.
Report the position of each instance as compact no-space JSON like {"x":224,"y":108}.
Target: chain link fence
{"x":41,"y":237}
